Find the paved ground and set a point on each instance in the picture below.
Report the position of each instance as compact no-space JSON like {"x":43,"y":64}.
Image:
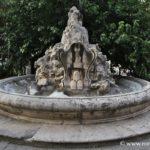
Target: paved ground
{"x":139,"y":143}
{"x":46,"y":133}
{"x":17,"y":135}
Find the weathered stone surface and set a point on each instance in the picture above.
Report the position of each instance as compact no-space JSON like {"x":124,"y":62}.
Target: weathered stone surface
{"x":93,"y":133}
{"x":18,"y":130}
{"x":45,"y":133}
{"x":140,"y":143}
{"x":102,"y":86}
{"x":49,"y":68}
{"x":77,"y":109}
{"x":73,"y":59}
{"x":3,"y":145}
{"x":3,"y":119}
{"x":12,"y":146}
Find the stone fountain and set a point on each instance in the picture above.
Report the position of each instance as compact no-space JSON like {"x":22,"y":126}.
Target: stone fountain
{"x":74,"y":64}
{"x":74,"y":95}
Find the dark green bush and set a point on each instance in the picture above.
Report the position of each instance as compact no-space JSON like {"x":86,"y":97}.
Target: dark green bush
{"x":29,"y":27}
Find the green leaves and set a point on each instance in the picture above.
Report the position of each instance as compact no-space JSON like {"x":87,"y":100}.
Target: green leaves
{"x":121,"y":28}
{"x":136,"y":26}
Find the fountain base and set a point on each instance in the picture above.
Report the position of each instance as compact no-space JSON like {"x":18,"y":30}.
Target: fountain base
{"x":65,"y":109}
{"x":74,"y":136}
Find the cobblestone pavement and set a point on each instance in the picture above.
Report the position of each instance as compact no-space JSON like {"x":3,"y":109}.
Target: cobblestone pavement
{"x":138,"y":143}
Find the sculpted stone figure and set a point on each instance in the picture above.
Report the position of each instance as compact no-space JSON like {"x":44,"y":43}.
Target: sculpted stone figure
{"x":76,"y":76}
{"x":74,"y":63}
{"x":73,"y":85}
{"x":77,"y":62}
{"x":79,"y":84}
{"x":76,"y":82}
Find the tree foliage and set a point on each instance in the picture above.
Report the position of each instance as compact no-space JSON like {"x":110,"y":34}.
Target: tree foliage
{"x":121,"y":28}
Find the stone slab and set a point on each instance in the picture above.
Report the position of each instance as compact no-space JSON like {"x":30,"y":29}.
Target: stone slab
{"x":22,"y":147}
{"x":4,"y":119}
{"x":80,"y":133}
{"x":46,"y":133}
{"x":105,"y":146}
{"x":141,"y":127}
{"x":93,"y":133}
{"x":3,"y":145}
{"x":18,"y":129}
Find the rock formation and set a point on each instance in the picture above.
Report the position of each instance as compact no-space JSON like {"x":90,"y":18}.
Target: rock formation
{"x":74,"y":64}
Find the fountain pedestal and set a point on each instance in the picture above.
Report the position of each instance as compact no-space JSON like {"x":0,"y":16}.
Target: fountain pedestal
{"x":81,"y":63}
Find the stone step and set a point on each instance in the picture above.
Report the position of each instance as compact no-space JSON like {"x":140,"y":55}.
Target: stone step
{"x":32,"y":133}
{"x":137,"y":143}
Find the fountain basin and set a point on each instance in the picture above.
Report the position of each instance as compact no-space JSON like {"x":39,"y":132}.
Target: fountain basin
{"x":75,"y":110}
